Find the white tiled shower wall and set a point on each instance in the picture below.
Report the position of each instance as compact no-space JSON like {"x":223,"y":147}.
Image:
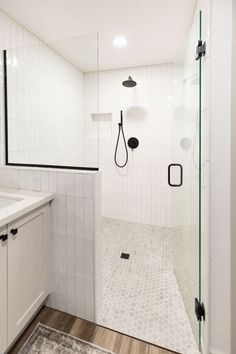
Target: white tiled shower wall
{"x":139,"y":192}
{"x":45,"y":107}
{"x":75,"y":211}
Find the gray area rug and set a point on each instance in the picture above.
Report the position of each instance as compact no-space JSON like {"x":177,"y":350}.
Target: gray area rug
{"x":47,"y":340}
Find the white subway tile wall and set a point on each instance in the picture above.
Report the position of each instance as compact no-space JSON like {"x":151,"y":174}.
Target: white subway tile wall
{"x":45,"y":102}
{"x":139,"y":192}
{"x":75,"y":241}
{"x":45,"y":107}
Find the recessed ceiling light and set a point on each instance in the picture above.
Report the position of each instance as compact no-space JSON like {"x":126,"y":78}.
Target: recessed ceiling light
{"x":120,"y":42}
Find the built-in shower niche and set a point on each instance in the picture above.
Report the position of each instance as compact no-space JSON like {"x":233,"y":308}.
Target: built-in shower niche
{"x":105,"y":125}
{"x":101,"y":117}
{"x":47,"y":119}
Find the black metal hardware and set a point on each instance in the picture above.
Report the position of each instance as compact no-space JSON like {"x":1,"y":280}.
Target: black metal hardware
{"x":181,"y":175}
{"x":200,"y":310}
{"x":14,"y":231}
{"x":133,"y":143}
{"x":124,"y":255}
{"x":200,"y":50}
{"x":4,"y":237}
{"x":121,"y":131}
{"x":121,"y":118}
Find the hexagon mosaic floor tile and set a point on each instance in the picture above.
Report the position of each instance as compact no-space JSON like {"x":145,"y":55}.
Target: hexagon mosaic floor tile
{"x":141,"y":295}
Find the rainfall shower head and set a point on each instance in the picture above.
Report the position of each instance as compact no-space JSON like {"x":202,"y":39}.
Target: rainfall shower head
{"x":129,"y":83}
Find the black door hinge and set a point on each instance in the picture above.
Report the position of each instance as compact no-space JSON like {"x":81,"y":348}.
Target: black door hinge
{"x":200,"y":310}
{"x":200,"y":50}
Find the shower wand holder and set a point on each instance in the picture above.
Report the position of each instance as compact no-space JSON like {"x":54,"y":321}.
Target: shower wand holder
{"x":121,"y":119}
{"x":133,"y":143}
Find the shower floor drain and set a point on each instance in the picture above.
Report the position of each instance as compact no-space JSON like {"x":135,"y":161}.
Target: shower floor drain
{"x":124,"y":255}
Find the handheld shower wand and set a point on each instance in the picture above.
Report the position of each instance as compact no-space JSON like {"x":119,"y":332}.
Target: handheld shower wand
{"x":121,"y":118}
{"x":121,"y":130}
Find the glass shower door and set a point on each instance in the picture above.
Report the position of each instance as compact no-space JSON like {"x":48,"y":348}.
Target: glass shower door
{"x":184,"y":177}
{"x":151,"y":225}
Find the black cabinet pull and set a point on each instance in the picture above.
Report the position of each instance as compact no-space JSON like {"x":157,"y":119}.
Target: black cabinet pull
{"x":4,"y":237}
{"x":14,"y":231}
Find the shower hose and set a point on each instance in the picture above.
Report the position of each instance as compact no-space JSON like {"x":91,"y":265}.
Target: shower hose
{"x":121,"y":130}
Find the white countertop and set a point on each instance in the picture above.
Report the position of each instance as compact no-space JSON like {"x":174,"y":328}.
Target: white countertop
{"x":23,"y":202}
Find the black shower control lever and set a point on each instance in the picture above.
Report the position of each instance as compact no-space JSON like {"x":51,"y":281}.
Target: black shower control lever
{"x":14,"y":231}
{"x":4,"y":237}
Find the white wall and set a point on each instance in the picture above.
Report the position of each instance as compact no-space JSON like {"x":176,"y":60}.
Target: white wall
{"x":139,"y":192}
{"x":233,"y":189}
{"x":220,"y":144}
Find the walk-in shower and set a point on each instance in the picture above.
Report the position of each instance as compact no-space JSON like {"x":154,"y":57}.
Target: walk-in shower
{"x":145,"y":265}
{"x":151,"y":208}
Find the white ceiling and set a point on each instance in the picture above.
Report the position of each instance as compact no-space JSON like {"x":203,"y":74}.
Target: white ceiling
{"x":155,"y":29}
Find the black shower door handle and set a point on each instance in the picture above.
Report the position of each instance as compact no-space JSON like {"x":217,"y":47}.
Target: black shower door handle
{"x":180,"y":177}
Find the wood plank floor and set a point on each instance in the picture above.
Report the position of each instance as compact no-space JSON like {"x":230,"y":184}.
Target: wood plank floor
{"x":108,"y":339}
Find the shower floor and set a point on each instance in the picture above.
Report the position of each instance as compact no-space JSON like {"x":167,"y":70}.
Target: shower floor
{"x":141,"y":295}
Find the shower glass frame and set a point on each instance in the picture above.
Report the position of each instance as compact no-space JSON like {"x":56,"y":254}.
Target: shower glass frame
{"x":200,"y":176}
{"x":94,"y":47}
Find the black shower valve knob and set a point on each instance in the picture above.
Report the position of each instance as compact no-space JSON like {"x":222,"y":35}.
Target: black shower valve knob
{"x":133,"y":143}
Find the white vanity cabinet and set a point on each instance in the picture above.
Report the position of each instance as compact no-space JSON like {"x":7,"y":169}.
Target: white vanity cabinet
{"x":28,"y":269}
{"x":24,"y":272}
{"x":3,"y":291}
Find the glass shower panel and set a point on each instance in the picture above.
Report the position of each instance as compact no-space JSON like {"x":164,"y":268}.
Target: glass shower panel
{"x":49,"y":119}
{"x":186,"y":236}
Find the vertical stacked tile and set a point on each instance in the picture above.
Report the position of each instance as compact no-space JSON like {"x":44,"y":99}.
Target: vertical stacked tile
{"x":139,"y":192}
